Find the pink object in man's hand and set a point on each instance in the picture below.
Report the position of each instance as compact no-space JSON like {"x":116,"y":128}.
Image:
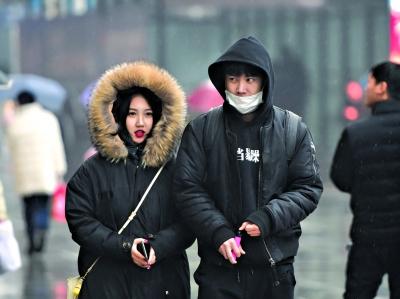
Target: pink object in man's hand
{"x":237,"y":240}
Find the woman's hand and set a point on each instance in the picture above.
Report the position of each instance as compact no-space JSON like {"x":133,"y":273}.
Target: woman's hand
{"x":152,"y":257}
{"x":138,"y":258}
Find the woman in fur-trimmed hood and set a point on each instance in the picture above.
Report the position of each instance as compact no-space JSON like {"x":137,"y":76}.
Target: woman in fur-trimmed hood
{"x":136,"y":116}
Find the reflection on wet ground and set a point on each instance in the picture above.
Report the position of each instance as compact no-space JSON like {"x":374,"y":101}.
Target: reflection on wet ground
{"x":36,"y":280}
{"x":320,"y":264}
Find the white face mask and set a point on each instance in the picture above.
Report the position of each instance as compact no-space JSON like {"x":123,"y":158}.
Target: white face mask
{"x":244,"y":104}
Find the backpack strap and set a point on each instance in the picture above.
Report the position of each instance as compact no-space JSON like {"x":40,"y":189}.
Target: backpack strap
{"x":213,"y":117}
{"x":292,"y":122}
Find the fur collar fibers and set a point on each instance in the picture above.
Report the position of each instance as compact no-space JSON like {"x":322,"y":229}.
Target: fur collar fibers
{"x":166,"y":133}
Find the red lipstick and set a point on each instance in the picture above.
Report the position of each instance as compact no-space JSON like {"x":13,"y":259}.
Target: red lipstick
{"x":139,"y":133}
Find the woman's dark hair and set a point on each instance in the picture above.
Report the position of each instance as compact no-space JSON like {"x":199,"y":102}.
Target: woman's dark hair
{"x":240,"y":68}
{"x":388,"y":72}
{"x":121,"y":105}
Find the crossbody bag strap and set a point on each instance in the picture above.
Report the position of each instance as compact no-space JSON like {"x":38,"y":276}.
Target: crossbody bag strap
{"x":132,"y":215}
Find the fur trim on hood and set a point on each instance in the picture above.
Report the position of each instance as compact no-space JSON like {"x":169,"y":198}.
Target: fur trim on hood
{"x":166,"y":133}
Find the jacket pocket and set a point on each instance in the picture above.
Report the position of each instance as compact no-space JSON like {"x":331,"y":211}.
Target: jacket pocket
{"x":286,"y":274}
{"x":255,"y":252}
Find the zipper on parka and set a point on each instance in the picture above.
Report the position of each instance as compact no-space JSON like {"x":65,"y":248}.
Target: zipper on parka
{"x":271,"y":260}
{"x":272,"y":263}
{"x":260,"y":168}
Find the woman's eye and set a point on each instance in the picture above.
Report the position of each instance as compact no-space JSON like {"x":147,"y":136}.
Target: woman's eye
{"x":132,"y":113}
{"x":149,"y":113}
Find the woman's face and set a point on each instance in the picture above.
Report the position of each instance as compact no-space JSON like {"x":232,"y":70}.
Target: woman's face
{"x":139,"y":121}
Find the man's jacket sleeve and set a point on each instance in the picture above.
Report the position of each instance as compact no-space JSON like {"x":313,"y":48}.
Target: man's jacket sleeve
{"x":192,"y":200}
{"x":301,"y":195}
{"x":342,"y":165}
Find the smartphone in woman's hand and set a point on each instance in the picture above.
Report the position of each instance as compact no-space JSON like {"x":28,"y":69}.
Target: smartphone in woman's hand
{"x":144,"y":249}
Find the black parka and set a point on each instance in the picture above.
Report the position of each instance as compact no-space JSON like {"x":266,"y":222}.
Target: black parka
{"x":207,"y":181}
{"x":108,"y":186}
{"x":366,"y":164}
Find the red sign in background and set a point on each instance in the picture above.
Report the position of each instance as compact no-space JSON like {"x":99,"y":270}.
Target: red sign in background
{"x":394,"y":31}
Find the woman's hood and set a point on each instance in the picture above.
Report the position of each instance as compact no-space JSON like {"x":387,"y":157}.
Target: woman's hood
{"x":166,"y":133}
{"x":246,"y":50}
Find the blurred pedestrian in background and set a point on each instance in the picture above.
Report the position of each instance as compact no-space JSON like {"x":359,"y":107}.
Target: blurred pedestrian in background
{"x":3,"y":208}
{"x":38,"y":159}
{"x":136,"y":116}
{"x":292,"y":84}
{"x":10,"y":256}
{"x":366,"y":164}
{"x":246,"y":170}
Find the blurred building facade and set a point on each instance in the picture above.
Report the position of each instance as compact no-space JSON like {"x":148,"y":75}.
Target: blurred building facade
{"x":317,"y":46}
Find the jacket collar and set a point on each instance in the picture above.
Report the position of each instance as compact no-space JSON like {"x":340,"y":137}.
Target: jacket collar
{"x":389,"y":106}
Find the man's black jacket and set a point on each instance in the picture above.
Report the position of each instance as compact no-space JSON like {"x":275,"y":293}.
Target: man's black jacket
{"x":207,"y":178}
{"x":367,"y":165}
{"x":207,"y":181}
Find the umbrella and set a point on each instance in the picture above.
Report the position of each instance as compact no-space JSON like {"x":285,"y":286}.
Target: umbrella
{"x":5,"y":82}
{"x":204,"y":97}
{"x":48,"y":92}
{"x":86,"y":94}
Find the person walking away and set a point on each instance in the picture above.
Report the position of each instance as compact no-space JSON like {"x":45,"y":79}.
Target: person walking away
{"x":234,"y":180}
{"x":366,"y":165}
{"x":3,"y":207}
{"x":38,"y":158}
{"x":136,"y":117}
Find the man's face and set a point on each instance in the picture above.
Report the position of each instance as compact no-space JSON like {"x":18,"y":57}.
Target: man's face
{"x":375,"y":92}
{"x":243,"y":85}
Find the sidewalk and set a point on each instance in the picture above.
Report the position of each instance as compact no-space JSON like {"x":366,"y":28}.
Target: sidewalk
{"x":320,"y":264}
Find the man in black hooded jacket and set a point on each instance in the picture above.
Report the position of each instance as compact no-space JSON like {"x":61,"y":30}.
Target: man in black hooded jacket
{"x":233,"y":175}
{"x":366,"y":165}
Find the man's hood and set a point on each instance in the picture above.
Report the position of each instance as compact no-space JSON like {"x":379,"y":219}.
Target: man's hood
{"x":247,"y":50}
{"x":166,"y":133}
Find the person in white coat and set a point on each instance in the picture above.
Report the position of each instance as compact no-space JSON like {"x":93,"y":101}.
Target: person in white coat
{"x":3,"y":208}
{"x":39,"y":164}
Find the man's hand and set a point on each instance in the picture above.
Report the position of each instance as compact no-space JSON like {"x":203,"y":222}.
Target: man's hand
{"x":251,"y":229}
{"x":228,"y":248}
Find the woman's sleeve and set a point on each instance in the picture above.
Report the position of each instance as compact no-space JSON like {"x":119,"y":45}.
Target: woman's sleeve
{"x":86,"y":230}
{"x":172,"y":240}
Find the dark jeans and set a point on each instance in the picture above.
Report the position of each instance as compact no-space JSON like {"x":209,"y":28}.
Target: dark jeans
{"x":238,"y":282}
{"x":366,"y":266}
{"x":37,"y":218}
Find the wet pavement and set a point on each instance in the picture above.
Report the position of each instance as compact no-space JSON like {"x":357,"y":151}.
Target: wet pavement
{"x":319,"y":266}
